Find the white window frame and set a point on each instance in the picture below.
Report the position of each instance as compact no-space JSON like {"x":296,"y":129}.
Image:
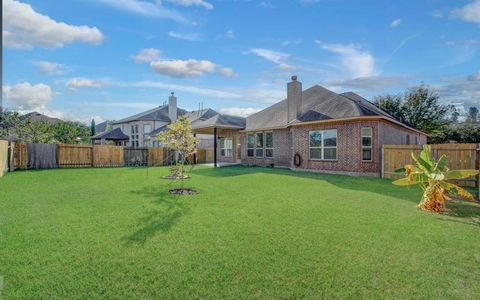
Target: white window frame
{"x":253,"y":149}
{"x":265,"y":144}
{"x":371,"y":142}
{"x":224,"y":151}
{"x":322,"y":147}
{"x":150,"y":126}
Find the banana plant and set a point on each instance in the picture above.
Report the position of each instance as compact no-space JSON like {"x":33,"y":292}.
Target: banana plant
{"x":433,"y":177}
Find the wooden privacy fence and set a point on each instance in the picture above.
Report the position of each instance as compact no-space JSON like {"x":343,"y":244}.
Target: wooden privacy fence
{"x":78,"y":156}
{"x":459,"y":156}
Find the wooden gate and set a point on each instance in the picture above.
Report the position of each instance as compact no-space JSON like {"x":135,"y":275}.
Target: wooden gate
{"x":135,"y":157}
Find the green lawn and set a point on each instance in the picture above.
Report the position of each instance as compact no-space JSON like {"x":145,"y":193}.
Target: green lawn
{"x":249,"y":233}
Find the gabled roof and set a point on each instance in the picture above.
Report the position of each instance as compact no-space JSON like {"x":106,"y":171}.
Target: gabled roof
{"x":156,"y":114}
{"x":115,"y":134}
{"x":202,"y":114}
{"x":318,"y":104}
{"x":220,"y":120}
{"x":101,"y":127}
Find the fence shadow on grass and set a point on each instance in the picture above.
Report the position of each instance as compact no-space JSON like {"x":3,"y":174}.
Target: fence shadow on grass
{"x":458,"y":209}
{"x":168,"y":211}
{"x":358,"y":183}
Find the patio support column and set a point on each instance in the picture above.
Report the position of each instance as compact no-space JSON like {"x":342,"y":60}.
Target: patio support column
{"x":194,"y":154}
{"x":215,"y":134}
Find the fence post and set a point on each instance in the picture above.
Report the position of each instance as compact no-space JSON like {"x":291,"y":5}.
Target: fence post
{"x":91,"y":155}
{"x":478,"y":166}
{"x":382,"y":174}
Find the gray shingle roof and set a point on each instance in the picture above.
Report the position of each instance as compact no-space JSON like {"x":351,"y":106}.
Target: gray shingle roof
{"x":220,"y":120}
{"x":101,"y":127}
{"x":115,"y":134}
{"x":158,"y":114}
{"x":318,"y":103}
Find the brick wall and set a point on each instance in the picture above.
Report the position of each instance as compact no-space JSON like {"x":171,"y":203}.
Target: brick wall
{"x":287,"y":142}
{"x":281,"y":150}
{"x":349,"y":148}
{"x":227,"y":134}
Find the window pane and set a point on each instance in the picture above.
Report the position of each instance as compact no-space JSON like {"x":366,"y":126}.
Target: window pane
{"x":259,"y":152}
{"x":315,"y":139}
{"x":269,"y":153}
{"x":228,"y":144}
{"x":330,"y":153}
{"x":366,"y":131}
{"x":250,"y":141}
{"x":222,"y":143}
{"x":330,"y":138}
{"x":259,"y":143}
{"x":315,"y":153}
{"x":367,"y":154}
{"x":366,"y":141}
{"x":269,"y":140}
{"x":222,"y":152}
{"x":250,"y":152}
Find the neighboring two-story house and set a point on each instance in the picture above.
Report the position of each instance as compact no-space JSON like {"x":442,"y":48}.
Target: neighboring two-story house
{"x":140,"y":130}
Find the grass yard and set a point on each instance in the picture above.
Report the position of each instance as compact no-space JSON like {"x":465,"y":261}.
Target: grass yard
{"x":249,"y":233}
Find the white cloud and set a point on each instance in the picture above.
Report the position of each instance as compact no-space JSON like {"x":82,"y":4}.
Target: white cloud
{"x":147,"y":55}
{"x":187,"y":3}
{"x":370,"y":83}
{"x":239,"y":111}
{"x":182,"y":68}
{"x":230,"y":34}
{"x":395,"y":23}
{"x":468,"y":13}
{"x":292,"y":42}
{"x":277,"y":57}
{"x":50,"y":68}
{"x":25,"y":96}
{"x":189,"y":68}
{"x":227,"y":72}
{"x":217,"y":93}
{"x":270,"y":55}
{"x":83,"y":82}
{"x":193,"y":37}
{"x":358,"y":62}
{"x":145,"y":8}
{"x":23,"y":28}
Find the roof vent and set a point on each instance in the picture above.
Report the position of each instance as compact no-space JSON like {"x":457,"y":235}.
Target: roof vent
{"x":294,"y":77}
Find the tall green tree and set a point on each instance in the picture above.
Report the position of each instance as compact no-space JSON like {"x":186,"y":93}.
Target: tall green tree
{"x":419,"y":107}
{"x":472,"y":116}
{"x":92,"y":128}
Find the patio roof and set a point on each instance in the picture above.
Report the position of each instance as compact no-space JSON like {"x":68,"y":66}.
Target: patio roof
{"x":115,"y":134}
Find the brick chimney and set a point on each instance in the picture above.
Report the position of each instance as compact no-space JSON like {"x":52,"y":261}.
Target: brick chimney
{"x":294,"y":99}
{"x":172,"y":107}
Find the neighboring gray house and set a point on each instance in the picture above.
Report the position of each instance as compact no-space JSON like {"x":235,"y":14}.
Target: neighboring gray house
{"x":141,"y":129}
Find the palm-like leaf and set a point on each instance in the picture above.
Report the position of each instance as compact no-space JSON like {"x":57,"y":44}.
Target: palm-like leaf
{"x":460,"y":174}
{"x":460,"y":191}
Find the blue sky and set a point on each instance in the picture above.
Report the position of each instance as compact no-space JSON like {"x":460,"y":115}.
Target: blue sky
{"x":107,"y":59}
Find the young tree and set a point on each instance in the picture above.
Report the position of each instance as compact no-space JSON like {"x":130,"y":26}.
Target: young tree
{"x":179,"y":138}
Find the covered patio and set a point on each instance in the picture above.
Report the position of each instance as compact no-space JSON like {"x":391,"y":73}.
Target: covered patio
{"x":226,"y":128}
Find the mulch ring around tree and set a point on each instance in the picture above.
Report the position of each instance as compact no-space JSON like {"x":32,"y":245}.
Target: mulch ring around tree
{"x":175,"y":177}
{"x":183,"y":191}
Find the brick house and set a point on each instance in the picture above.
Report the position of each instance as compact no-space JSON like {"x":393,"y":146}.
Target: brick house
{"x":314,"y":129}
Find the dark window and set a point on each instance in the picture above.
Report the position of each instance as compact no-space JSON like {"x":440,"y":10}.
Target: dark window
{"x":250,"y":145}
{"x":367,"y":143}
{"x":259,"y":139}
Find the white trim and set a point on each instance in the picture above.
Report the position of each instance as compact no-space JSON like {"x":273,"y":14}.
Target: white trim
{"x":322,"y":147}
{"x":246,"y":142}
{"x":265,"y":145}
{"x":366,"y":147}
